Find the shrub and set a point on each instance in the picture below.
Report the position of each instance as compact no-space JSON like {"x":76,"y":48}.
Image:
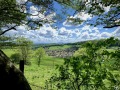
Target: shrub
{"x":15,"y":58}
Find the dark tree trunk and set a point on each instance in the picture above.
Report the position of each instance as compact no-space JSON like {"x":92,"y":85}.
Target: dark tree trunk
{"x":11,"y":78}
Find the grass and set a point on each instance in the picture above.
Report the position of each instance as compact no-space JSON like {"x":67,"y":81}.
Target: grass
{"x":59,"y":47}
{"x":37,"y":75}
{"x":9,"y":52}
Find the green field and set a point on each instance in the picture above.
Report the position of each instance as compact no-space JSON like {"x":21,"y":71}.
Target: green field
{"x":59,"y":47}
{"x":37,"y":75}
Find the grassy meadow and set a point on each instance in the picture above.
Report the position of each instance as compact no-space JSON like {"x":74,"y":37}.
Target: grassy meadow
{"x":59,"y":47}
{"x":37,"y":75}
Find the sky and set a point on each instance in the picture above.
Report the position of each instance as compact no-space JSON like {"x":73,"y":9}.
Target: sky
{"x":65,"y":32}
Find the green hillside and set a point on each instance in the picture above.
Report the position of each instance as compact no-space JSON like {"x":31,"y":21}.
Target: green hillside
{"x":37,"y":75}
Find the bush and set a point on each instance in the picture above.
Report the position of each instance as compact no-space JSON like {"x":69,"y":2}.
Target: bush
{"x":15,"y":58}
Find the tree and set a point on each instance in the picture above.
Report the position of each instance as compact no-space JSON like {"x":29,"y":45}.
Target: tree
{"x":108,"y":19}
{"x":24,"y":47}
{"x":39,"y":53}
{"x":89,"y":70}
{"x":106,"y":11}
{"x":10,"y":15}
{"x":16,"y":12}
{"x":6,"y":41}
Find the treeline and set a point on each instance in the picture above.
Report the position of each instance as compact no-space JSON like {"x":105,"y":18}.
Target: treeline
{"x":6,"y":41}
{"x":78,"y":44}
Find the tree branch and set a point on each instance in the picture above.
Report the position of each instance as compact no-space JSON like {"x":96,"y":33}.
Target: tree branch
{"x":114,"y":16}
{"x":8,"y":30}
{"x":111,"y":26}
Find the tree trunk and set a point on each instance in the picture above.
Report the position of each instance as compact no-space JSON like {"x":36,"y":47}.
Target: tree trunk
{"x":10,"y":77}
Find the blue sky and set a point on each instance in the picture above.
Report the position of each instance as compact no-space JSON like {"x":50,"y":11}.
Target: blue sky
{"x":65,"y":32}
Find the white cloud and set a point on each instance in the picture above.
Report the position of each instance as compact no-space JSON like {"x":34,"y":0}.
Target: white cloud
{"x":11,"y":33}
{"x":66,"y":23}
{"x":50,"y":16}
{"x":85,"y":35}
{"x":47,"y":34}
{"x":82,"y":16}
{"x":20,"y":30}
{"x":116,"y":33}
{"x":33,"y":10}
{"x":64,"y":32}
{"x":107,"y":8}
{"x":79,"y":16}
{"x":69,"y":33}
{"x":21,"y":1}
{"x":70,"y":23}
{"x":105,"y":35}
{"x":39,"y":16}
{"x":47,"y":31}
{"x":87,"y":28}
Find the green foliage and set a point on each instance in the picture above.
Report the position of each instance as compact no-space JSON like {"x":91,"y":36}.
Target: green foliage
{"x":15,"y":58}
{"x":79,"y":52}
{"x":13,"y":13}
{"x":5,"y":41}
{"x":108,"y":19}
{"x":45,"y":3}
{"x":88,"y":71}
{"x":24,"y":48}
{"x":10,"y":13}
{"x":116,"y":59}
{"x":39,"y":53}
